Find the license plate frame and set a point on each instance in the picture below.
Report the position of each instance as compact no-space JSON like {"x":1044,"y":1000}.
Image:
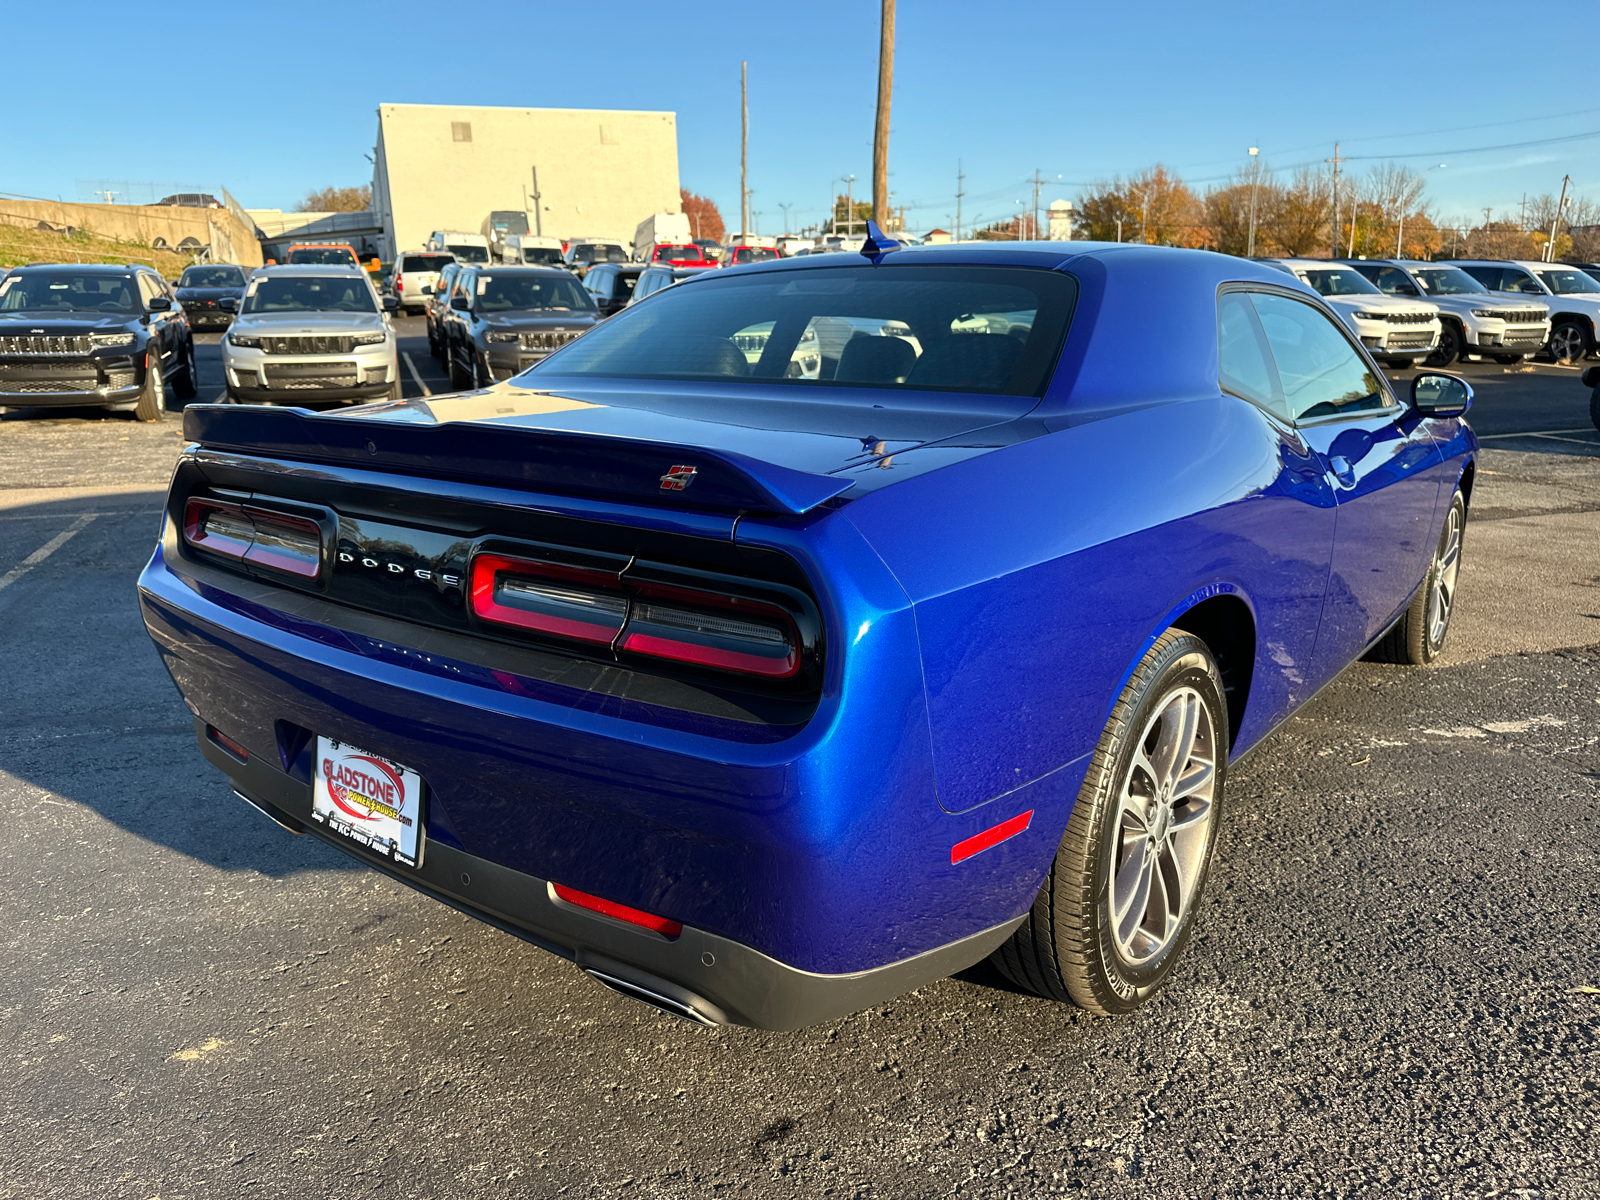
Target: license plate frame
{"x":370,"y":800}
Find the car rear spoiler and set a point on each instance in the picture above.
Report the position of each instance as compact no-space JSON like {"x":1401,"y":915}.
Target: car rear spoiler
{"x":546,"y":460}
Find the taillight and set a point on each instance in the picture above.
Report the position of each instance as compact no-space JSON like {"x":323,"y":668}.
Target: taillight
{"x":722,"y":631}
{"x":726,"y":633}
{"x":564,"y":601}
{"x":254,"y":535}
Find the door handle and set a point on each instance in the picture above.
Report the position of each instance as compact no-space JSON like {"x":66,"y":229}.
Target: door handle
{"x":1343,"y":471}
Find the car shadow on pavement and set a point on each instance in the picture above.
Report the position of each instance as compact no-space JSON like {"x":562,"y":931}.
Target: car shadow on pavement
{"x":90,"y":717}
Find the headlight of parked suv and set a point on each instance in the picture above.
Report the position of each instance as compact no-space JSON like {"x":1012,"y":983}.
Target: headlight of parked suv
{"x":245,"y":340}
{"x":504,"y":337}
{"x":1366,"y":316}
{"x":108,"y":340}
{"x":1486,"y":312}
{"x":369,"y":339}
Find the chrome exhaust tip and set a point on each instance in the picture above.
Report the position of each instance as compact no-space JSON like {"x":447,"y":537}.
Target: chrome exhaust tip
{"x":684,"y":1009}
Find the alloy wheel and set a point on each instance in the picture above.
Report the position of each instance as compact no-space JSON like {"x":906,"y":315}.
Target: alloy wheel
{"x":1566,"y":343}
{"x":1442,"y":596}
{"x":1162,"y":827}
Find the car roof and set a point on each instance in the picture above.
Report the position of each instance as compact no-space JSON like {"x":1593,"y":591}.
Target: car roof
{"x":519,"y":269}
{"x":92,"y":268}
{"x":1526,"y":263}
{"x":308,"y":269}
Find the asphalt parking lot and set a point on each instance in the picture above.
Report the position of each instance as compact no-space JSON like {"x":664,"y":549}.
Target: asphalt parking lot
{"x":1394,"y":988}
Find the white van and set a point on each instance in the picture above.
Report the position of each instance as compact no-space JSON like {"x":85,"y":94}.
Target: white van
{"x":531,"y":250}
{"x":467,"y":247}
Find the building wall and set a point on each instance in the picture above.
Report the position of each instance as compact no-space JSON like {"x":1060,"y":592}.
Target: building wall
{"x":600,"y":172}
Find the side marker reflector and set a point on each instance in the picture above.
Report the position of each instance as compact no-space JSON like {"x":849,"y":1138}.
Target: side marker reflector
{"x":619,"y":912}
{"x":979,"y":842}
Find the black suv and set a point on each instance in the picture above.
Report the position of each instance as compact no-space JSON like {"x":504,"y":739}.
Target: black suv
{"x":611,"y":285}
{"x":93,"y":334}
{"x":502,"y":320}
{"x":200,"y":288}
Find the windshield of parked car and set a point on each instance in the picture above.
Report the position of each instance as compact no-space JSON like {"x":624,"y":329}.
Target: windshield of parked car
{"x":68,"y":291}
{"x":523,"y":293}
{"x":469,"y":254}
{"x":211,"y":277}
{"x":425,"y":262}
{"x":541,"y":256}
{"x":309,"y":293}
{"x":994,"y":330}
{"x":1447,"y":281}
{"x":322,"y":256}
{"x":1568,"y":282}
{"x":1340,"y":282}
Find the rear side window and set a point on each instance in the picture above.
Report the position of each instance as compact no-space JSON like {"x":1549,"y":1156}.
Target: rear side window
{"x":1319,"y":370}
{"x":989,"y":330}
{"x":1513,"y":280}
{"x":1244,"y":363}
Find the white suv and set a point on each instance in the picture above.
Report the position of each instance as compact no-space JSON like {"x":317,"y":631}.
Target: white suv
{"x":1398,"y":333}
{"x":1476,"y":323}
{"x":311,"y":335}
{"x":1572,"y":295}
{"x":413,"y":271}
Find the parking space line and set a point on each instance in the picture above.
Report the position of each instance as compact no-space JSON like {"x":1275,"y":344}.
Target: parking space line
{"x":44,"y":551}
{"x":415,"y":374}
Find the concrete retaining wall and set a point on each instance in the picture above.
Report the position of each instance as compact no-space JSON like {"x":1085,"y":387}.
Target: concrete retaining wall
{"x":230,"y":240}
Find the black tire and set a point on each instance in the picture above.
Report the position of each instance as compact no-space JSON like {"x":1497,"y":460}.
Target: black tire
{"x":184,"y":382}
{"x":477,"y":373}
{"x":397,"y":388}
{"x":153,"y":399}
{"x":1452,"y":346}
{"x":1569,"y":342}
{"x":1068,"y":947}
{"x":434,"y":348}
{"x":459,"y":382}
{"x":1417,"y":639}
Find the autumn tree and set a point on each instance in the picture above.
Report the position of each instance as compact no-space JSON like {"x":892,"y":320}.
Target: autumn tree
{"x":1297,"y":221}
{"x":337,"y":199}
{"x":1500,"y":239}
{"x":844,"y":209}
{"x":1152,"y":207}
{"x":704,"y":219}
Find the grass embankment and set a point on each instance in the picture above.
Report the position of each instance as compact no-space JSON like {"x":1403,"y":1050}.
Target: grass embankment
{"x":19,"y":245}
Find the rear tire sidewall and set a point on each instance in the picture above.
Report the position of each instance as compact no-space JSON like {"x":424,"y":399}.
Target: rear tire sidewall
{"x":1122,"y":986}
{"x":153,"y":399}
{"x":1423,"y":649}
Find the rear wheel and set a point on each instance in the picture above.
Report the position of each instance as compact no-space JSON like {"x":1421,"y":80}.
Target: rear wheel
{"x":459,"y":380}
{"x":153,"y":400}
{"x":1118,"y":906}
{"x":1569,"y":342}
{"x":1418,"y":638}
{"x":1451,"y":346}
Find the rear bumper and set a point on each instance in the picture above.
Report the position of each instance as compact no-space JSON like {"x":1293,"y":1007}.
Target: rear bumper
{"x":697,"y":975}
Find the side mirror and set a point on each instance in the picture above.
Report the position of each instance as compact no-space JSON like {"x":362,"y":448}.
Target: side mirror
{"x":1435,"y":395}
{"x":461,"y":304}
{"x":390,"y":303}
{"x":228,"y":304}
{"x":160,"y":303}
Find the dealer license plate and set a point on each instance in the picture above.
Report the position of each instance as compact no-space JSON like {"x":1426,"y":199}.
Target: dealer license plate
{"x":371,"y":800}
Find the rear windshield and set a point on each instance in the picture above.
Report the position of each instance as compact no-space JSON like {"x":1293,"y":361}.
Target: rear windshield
{"x":323,"y":256}
{"x":309,"y":293}
{"x":425,"y":262}
{"x":67,"y":291}
{"x":991,"y":330}
{"x":215,"y":277}
{"x":469,"y":254}
{"x":746,"y":254}
{"x":679,"y":254}
{"x":587,"y":253}
{"x":541,"y":256}
{"x":513,"y":292}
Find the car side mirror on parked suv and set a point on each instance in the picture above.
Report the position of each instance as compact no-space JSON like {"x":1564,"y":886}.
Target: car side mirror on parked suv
{"x":1435,"y":395}
{"x":160,"y":303}
{"x":461,"y":304}
{"x":390,"y":303}
{"x":228,"y":304}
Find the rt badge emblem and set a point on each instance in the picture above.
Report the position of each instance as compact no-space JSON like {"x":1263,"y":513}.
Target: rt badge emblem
{"x":678,"y":478}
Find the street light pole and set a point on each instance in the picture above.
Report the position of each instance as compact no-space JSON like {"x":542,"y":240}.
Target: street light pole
{"x":1400,"y":237}
{"x":744,"y":147}
{"x":786,"y":208}
{"x":850,"y":202}
{"x":1255,"y":175}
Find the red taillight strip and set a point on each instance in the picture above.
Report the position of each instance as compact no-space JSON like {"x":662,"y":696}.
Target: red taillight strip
{"x":979,"y":842}
{"x":712,"y":656}
{"x":620,"y":912}
{"x":485,"y":569}
{"x":261,"y":521}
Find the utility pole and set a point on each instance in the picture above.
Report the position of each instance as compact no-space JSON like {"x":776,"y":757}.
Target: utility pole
{"x":1550,"y":246}
{"x":786,"y":208}
{"x":1255,"y":175}
{"x":744,"y":147}
{"x":538,"y":208}
{"x":880,"y":134}
{"x":850,"y":202}
{"x":1038,"y":183}
{"x":1336,"y":160}
{"x":959,"y":193}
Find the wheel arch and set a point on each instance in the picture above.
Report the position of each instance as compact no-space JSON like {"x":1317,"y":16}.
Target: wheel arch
{"x":1469,"y":474}
{"x":1226,"y":624}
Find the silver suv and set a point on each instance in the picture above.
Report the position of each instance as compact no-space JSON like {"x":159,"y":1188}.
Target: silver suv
{"x":415,"y":273}
{"x":311,"y":335}
{"x":1476,"y":323}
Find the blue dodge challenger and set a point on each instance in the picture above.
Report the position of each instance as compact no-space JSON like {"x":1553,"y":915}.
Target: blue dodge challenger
{"x":813,"y":630}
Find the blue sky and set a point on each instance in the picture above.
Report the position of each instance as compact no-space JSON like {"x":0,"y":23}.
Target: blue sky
{"x":273,"y":100}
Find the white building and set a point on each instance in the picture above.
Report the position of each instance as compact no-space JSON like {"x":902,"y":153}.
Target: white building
{"x":596,"y":172}
{"x":1060,"y":221}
